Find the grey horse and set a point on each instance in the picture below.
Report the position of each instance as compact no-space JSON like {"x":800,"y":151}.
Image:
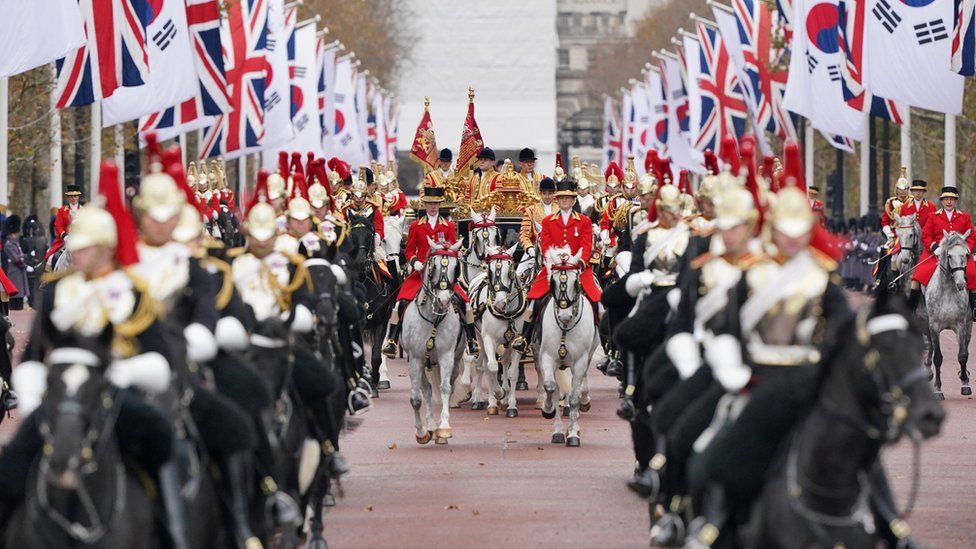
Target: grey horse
{"x":431,"y":328}
{"x":947,"y":305}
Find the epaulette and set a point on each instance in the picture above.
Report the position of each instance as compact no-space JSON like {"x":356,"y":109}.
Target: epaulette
{"x":236,"y":252}
{"x":146,"y":312}
{"x":54,"y":276}
{"x":750,"y":259}
{"x":226,"y":290}
{"x":825,"y":262}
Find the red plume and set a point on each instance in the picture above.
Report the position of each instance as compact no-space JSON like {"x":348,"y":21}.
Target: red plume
{"x":339,"y":167}
{"x":684,"y":182}
{"x":664,"y":169}
{"x":767,"y":172}
{"x":752,"y":141}
{"x":154,"y":152}
{"x":559,"y":161}
{"x":319,"y":167}
{"x":296,"y":164}
{"x":613,"y":169}
{"x":650,"y":161}
{"x":748,"y":162}
{"x":260,"y":193}
{"x":792,"y":166}
{"x":308,"y":166}
{"x":299,"y":188}
{"x":729,"y":153}
{"x":652,"y":209}
{"x":126,"y":252}
{"x":711,"y":163}
{"x":835,"y":246}
{"x":283,"y":164}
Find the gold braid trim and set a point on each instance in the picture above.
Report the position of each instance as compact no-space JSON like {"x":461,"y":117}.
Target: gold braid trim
{"x":54,"y":276}
{"x":236,"y":252}
{"x":227,"y":284}
{"x":146,"y":312}
{"x":283,"y":294}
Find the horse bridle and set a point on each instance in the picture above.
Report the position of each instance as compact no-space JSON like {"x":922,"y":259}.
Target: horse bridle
{"x":95,"y":441}
{"x":512,"y":290}
{"x":952,"y":270}
{"x":562,"y":301}
{"x":438,"y":259}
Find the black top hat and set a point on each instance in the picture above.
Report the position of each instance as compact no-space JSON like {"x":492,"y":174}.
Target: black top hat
{"x":547,"y":184}
{"x":949,"y":192}
{"x":527,"y":155}
{"x":72,"y":190}
{"x":566,"y":187}
{"x":368,"y":177}
{"x":486,"y":153}
{"x":446,"y":155}
{"x":433,"y":194}
{"x":813,"y":189}
{"x":919,"y":185}
{"x":12,"y":225}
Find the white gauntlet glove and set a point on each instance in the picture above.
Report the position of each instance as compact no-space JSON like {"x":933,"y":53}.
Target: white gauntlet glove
{"x":637,"y":282}
{"x":418,"y":266}
{"x":605,"y":237}
{"x":201,"y":345}
{"x":148,"y":371}
{"x":303,"y":321}
{"x":724,"y":355}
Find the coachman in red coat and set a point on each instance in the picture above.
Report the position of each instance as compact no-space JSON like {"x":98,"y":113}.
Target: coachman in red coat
{"x":917,"y":204}
{"x":564,"y":228}
{"x":62,"y":219}
{"x":430,"y":227}
{"x":945,"y":220}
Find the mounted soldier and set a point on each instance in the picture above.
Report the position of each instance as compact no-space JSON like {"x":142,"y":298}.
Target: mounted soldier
{"x":917,"y":204}
{"x":361,"y":204}
{"x":613,"y":220}
{"x":340,"y":176}
{"x":62,"y":219}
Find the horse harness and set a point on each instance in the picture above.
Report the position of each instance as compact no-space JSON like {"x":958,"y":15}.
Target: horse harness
{"x":494,"y":285}
{"x":563,"y":301}
{"x":439,"y":260}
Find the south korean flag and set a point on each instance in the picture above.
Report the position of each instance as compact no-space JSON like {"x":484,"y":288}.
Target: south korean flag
{"x":908,"y":53}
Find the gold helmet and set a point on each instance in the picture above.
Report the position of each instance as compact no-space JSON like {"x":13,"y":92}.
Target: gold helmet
{"x":261,"y":223}
{"x":706,"y":189}
{"x":91,"y":226}
{"x":191,"y":175}
{"x":630,"y":173}
{"x":791,"y":213}
{"x":688,"y":206}
{"x":276,"y":186}
{"x":359,"y":189}
{"x":669,"y":199}
{"x":299,"y":209}
{"x":647,"y":184}
{"x":159,"y":197}
{"x":190,"y":226}
{"x":577,"y":173}
{"x":217,"y":167}
{"x":734,"y":206}
{"x":318,"y":196}
{"x":903,"y":184}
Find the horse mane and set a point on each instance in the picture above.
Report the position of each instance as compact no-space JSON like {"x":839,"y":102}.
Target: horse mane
{"x":951,"y":239}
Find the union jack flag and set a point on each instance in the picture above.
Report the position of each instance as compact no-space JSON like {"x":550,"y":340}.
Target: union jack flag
{"x":851,"y":24}
{"x":964,"y":38}
{"x":723,"y":107}
{"x":114,"y":56}
{"x":612,"y":142}
{"x":391,"y":127}
{"x":766,"y":85}
{"x":371,"y":138}
{"x":241,"y":130}
{"x":203,"y":20}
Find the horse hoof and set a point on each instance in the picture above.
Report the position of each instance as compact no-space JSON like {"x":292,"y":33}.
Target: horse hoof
{"x":493,"y":410}
{"x":558,"y":438}
{"x":444,"y":433}
{"x":374,"y":393}
{"x":967,"y":390}
{"x":318,"y":544}
{"x":383,"y":385}
{"x":522,"y":386}
{"x":479,"y":405}
{"x":511,"y":413}
{"x":572,"y":442}
{"x":549,"y":415}
{"x":328,"y":500}
{"x":426,"y":438}
{"x":585,"y":407}
{"x":439,"y":440}
{"x":939,"y":395}
{"x":538,"y":404}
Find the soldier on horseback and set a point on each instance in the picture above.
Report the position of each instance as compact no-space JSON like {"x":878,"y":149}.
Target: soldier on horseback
{"x":613,"y":219}
{"x":362,"y":204}
{"x":917,"y":204}
{"x":62,"y":220}
{"x":435,"y":228}
{"x":946,"y":220}
{"x":889,"y":220}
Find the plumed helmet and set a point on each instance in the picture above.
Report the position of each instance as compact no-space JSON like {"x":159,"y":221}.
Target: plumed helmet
{"x":276,"y":186}
{"x":299,"y":209}
{"x":669,"y":199}
{"x":734,"y":206}
{"x":261,"y":223}
{"x":318,"y":196}
{"x":791,"y":213}
{"x":159,"y":197}
{"x":190,"y":226}
{"x":647,"y":185}
{"x":902,"y":184}
{"x":359,"y":189}
{"x":91,"y":226}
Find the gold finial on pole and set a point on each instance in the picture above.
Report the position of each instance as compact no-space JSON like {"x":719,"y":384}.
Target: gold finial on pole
{"x":470,"y":94}
{"x":904,"y":172}
{"x":426,"y":103}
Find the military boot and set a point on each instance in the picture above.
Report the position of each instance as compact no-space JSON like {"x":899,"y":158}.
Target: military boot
{"x":235,"y":479}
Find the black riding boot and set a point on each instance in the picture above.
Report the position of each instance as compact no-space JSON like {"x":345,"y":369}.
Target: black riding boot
{"x":467,"y":324}
{"x":284,"y":509}
{"x":715,"y":513}
{"x":170,"y":488}
{"x":916,"y":295}
{"x":390,"y":347}
{"x":235,"y":479}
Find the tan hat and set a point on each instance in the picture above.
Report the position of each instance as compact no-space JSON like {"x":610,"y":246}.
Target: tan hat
{"x":261,"y":223}
{"x":159,"y":197}
{"x":91,"y":226}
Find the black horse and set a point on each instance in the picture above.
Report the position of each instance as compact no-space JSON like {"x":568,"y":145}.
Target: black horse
{"x":228,"y":226}
{"x":372,"y":287}
{"x":80,"y":492}
{"x":872,"y":391}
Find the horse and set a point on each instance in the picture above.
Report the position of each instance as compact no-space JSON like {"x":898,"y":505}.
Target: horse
{"x":873,"y":391}
{"x":376,"y":289}
{"x":431,"y":330}
{"x":79,"y":491}
{"x":227,"y":227}
{"x":501,"y":294}
{"x":947,"y":306}
{"x":393,"y":239}
{"x":568,"y":339}
{"x":909,"y":235}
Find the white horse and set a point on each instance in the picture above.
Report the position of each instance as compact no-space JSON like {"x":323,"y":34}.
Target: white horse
{"x":431,"y":328}
{"x":390,"y":249}
{"x":909,"y":248}
{"x":569,"y":338}
{"x":501,"y":294}
{"x":947,"y":305}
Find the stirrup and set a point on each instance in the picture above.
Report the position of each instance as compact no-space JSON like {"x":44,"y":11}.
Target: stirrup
{"x":390,"y":348}
{"x":519,"y":344}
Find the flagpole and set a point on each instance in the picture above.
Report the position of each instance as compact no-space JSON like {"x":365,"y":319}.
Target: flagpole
{"x":906,"y":142}
{"x":808,"y":138}
{"x":949,"y":179}
{"x":55,"y":186}
{"x":120,"y":155}
{"x":241,"y":172}
{"x":863,"y":202}
{"x":95,"y":154}
{"x":4,"y":126}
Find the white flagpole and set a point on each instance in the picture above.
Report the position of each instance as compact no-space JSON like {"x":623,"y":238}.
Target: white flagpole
{"x":55,"y":187}
{"x":241,"y":172}
{"x":865,"y":167}
{"x":808,"y":153}
{"x":950,"y":150}
{"x":96,"y":147}
{"x":120,"y":155}
{"x":4,"y":126}
{"x":906,"y":142}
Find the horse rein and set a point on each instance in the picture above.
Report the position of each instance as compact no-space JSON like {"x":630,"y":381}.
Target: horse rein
{"x":442,"y":283}
{"x":514,"y":290}
{"x":561,"y":302}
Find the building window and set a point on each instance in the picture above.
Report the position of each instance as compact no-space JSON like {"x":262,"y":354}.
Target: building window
{"x":564,"y":59}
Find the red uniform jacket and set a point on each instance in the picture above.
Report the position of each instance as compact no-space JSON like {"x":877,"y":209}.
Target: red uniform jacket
{"x":922,"y":212}
{"x":932,"y":234}
{"x":418,"y":247}
{"x":577,"y":233}
{"x":62,"y":223}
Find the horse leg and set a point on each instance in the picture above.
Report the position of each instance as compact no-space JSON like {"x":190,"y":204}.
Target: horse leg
{"x":384,"y":383}
{"x":937,"y":360}
{"x":462,"y":386}
{"x":317,"y":502}
{"x":573,"y":399}
{"x":426,"y":388}
{"x":477,"y":398}
{"x":417,"y":378}
{"x":585,"y":394}
{"x":511,"y":378}
{"x":495,"y":391}
{"x":444,"y":430}
{"x":540,"y":390}
{"x":963,"y":334}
